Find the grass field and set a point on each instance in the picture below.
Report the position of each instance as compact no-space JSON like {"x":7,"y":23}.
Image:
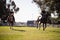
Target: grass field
{"x":29,"y":33}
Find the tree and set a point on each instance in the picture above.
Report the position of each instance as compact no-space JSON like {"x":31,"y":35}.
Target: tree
{"x":54,"y":5}
{"x":57,"y":6}
{"x":5,"y":9}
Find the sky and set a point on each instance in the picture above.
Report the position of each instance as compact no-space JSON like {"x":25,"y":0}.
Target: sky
{"x":28,"y":11}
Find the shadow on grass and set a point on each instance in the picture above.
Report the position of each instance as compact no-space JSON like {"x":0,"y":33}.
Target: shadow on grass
{"x":17,"y":30}
{"x":54,"y":31}
{"x":57,"y":31}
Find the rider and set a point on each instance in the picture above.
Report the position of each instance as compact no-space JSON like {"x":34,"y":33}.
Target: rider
{"x":44,"y":18}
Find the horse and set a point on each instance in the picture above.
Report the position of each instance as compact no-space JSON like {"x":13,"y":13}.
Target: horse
{"x":38,"y":22}
{"x":10,"y":20}
{"x":43,"y":20}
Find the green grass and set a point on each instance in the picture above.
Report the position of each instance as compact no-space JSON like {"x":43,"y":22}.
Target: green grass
{"x":29,"y":33}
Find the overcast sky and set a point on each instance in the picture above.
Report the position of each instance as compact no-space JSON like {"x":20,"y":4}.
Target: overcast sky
{"x":28,"y":11}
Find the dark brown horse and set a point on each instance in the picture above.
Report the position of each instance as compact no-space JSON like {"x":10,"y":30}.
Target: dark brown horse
{"x":10,"y":20}
{"x":43,"y":20}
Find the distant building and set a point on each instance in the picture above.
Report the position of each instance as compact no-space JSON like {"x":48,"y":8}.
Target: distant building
{"x":31,"y":23}
{"x":20,"y":24}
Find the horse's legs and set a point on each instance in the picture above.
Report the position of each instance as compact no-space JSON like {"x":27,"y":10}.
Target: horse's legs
{"x":43,"y":26}
{"x":39,"y":25}
{"x":10,"y":25}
